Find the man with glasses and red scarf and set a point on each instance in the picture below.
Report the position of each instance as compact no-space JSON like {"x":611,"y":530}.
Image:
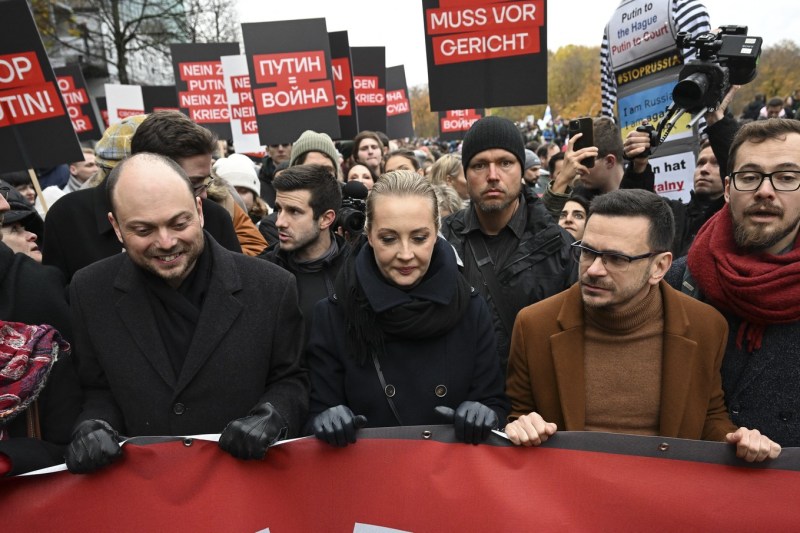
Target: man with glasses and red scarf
{"x":745,"y":261}
{"x":621,"y":351}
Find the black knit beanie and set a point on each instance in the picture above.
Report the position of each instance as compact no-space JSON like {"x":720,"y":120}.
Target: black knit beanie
{"x":492,"y":132}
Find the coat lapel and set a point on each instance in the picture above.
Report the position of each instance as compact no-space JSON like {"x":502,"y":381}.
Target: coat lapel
{"x":220,"y":310}
{"x":134,"y":311}
{"x":567,"y":349}
{"x":677,"y":365}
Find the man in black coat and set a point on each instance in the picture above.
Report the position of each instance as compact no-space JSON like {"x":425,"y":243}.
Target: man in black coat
{"x":179,"y":336}
{"x":513,"y":252}
{"x":306,"y":202}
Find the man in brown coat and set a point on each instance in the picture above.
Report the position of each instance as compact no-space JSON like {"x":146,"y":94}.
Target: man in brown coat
{"x":621,"y":351}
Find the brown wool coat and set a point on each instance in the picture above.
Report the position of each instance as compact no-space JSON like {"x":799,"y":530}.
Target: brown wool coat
{"x":546,"y":365}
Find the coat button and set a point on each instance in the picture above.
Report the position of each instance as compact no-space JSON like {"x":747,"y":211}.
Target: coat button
{"x":440,"y":391}
{"x":389,"y":391}
{"x":178,"y":408}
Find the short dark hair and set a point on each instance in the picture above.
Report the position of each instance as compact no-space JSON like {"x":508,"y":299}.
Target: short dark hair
{"x":607,"y":138}
{"x":543,"y":149}
{"x":775,"y":101}
{"x":407,"y":154}
{"x":579,"y":199}
{"x":366,"y":134}
{"x":172,"y":134}
{"x":113,"y":177}
{"x":551,"y":163}
{"x":326,"y":193}
{"x":639,"y":203}
{"x":759,"y":131}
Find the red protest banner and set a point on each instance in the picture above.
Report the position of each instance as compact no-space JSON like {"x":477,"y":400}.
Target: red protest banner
{"x":418,"y":479}
{"x":342,"y":69}
{"x":453,"y":124}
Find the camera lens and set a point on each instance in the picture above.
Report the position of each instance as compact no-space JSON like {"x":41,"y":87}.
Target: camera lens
{"x":354,"y":222}
{"x":690,"y":92}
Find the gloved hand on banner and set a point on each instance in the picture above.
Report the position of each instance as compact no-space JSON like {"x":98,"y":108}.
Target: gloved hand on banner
{"x":94,"y":445}
{"x":337,"y":425}
{"x":249,"y":437}
{"x":473,"y":421}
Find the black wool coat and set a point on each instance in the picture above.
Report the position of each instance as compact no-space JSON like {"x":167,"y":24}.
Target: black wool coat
{"x":245,"y":350}
{"x":463,"y":361}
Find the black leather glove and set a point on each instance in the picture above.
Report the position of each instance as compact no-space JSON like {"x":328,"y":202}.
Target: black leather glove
{"x":337,"y":425}
{"x":473,"y":421}
{"x":94,"y":445}
{"x":249,"y":437}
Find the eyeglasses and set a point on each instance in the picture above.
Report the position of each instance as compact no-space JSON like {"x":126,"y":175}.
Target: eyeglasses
{"x":751,"y":180}
{"x":201,"y":184}
{"x":612,"y":261}
{"x":5,"y":190}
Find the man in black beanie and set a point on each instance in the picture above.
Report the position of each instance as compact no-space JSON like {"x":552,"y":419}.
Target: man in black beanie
{"x":511,"y":249}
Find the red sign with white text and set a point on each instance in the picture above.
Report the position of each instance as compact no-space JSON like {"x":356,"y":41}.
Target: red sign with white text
{"x":342,"y":84}
{"x":299,"y":78}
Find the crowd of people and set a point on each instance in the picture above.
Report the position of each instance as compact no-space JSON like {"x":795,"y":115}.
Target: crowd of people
{"x":175,"y":287}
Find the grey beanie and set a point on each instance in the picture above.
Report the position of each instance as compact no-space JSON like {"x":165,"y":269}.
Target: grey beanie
{"x":531,"y":160}
{"x":311,"y":141}
{"x":492,"y":132}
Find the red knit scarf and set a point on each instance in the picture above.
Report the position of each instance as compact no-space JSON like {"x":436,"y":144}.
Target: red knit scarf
{"x":27,"y":354}
{"x":760,"y":288}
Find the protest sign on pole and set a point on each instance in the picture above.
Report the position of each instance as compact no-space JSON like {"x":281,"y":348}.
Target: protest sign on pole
{"x":198,"y":81}
{"x":291,"y":79}
{"x":341,"y":65}
{"x":35,"y":129}
{"x":244,"y":128}
{"x":369,"y":84}
{"x":159,"y":98}
{"x":79,"y":106}
{"x":123,"y":101}
{"x":399,"y":123}
{"x":486,"y":53}
{"x":645,"y":61}
{"x":453,"y":124}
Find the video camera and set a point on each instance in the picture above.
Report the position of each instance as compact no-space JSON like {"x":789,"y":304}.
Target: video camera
{"x":353,"y":213}
{"x":723,"y":59}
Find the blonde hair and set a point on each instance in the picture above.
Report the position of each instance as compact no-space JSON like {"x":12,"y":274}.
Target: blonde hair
{"x":446,"y":166}
{"x":448,"y":199}
{"x":402,"y":183}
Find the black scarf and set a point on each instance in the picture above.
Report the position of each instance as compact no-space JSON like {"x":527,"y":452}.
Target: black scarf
{"x":374,"y":308}
{"x":313,"y":265}
{"x":177,"y":311}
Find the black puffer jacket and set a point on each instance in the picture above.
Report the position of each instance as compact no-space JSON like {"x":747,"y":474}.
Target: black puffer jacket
{"x":539,"y":267}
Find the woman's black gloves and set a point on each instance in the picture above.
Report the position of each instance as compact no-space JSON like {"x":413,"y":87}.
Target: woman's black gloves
{"x":473,"y":421}
{"x":337,"y":425}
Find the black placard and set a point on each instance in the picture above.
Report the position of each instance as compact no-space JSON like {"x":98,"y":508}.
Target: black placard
{"x":79,"y":104}
{"x":33,"y":117}
{"x":200,"y":88}
{"x":102,"y":107}
{"x":342,"y":67}
{"x":486,"y":53}
{"x":369,"y":83}
{"x":454,"y":123}
{"x":291,"y":78}
{"x":160,"y":98}
{"x":398,"y":104}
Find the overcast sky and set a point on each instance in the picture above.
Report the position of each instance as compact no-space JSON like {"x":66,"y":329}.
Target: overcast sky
{"x":398,"y":24}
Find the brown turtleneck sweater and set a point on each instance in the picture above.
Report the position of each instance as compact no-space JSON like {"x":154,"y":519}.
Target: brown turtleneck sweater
{"x":623,"y":353}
